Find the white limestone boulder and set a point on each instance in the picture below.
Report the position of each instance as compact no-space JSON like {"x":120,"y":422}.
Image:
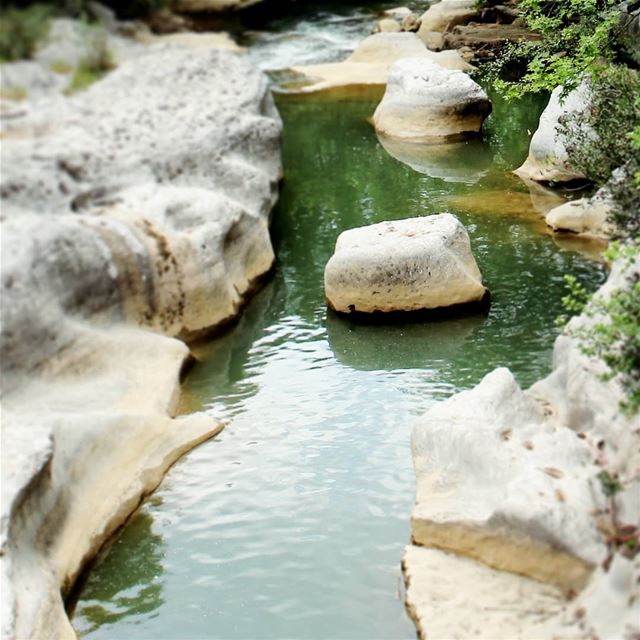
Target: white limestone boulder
{"x":495,"y":485}
{"x":166,"y":189}
{"x":547,"y":160}
{"x":388,"y":25}
{"x":404,"y":265}
{"x":446,"y":14}
{"x":586,"y":216}
{"x":398,"y":12}
{"x":426,"y":103}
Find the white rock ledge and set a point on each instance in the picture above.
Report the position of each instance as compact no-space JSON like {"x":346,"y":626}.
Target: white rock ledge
{"x":135,"y":209}
{"x":508,"y":491}
{"x":405,"y":265}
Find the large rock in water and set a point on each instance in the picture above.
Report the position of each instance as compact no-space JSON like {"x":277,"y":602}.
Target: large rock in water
{"x":547,"y":160}
{"x":510,"y":487}
{"x":446,"y":14}
{"x":426,"y":103}
{"x":404,"y":265}
{"x":586,"y":216}
{"x":136,"y":209}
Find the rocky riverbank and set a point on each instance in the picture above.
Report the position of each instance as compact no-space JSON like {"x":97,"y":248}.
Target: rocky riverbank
{"x":515,"y":498}
{"x":134,"y":212}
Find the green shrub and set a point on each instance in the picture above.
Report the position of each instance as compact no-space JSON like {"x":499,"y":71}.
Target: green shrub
{"x":613,"y":335}
{"x":95,"y":64}
{"x":601,"y":144}
{"x":21,"y":30}
{"x":577,"y":35}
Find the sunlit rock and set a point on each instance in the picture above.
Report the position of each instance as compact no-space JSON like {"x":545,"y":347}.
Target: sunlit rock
{"x":514,"y":480}
{"x":387,"y":48}
{"x":398,"y":12}
{"x":442,"y":16}
{"x":465,"y":161}
{"x":451,"y":597}
{"x":585,"y":216}
{"x":404,"y":265}
{"x":135,"y":209}
{"x":425,"y":103}
{"x":388,"y":25}
{"x":495,"y":486}
{"x":548,"y":160}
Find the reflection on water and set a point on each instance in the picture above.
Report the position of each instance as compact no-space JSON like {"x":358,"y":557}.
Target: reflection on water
{"x":411,"y":345}
{"x":464,"y":161}
{"x":291,"y":524}
{"x":130,"y":582}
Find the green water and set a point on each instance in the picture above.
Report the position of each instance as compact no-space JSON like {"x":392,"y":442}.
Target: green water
{"x":292,"y":523}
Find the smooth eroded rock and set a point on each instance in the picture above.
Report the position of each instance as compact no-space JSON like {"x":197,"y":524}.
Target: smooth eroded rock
{"x":495,"y":486}
{"x":446,"y":14}
{"x":135,"y":209}
{"x":426,"y":103}
{"x":585,"y":216}
{"x":455,"y":598}
{"x":547,"y":160}
{"x":404,"y":265}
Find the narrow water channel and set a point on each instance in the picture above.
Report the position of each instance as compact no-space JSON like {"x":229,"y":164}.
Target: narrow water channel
{"x":292,"y":523}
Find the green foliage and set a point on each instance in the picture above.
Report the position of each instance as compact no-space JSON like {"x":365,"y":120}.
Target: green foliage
{"x":575,"y":36}
{"x":612,"y":333}
{"x":21,"y":30}
{"x":97,"y":62}
{"x":609,"y":483}
{"x":605,"y":138}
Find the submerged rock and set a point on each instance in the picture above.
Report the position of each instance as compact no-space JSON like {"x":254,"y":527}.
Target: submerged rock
{"x":137,"y":208}
{"x":548,"y":160}
{"x":425,"y":103}
{"x":586,"y":216}
{"x":404,"y":265}
{"x":465,"y":161}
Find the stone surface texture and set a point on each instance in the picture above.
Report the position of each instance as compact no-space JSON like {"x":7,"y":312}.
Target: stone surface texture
{"x":587,"y":216}
{"x":366,"y":70}
{"x":388,"y":25}
{"x":426,"y":103}
{"x":444,"y":15}
{"x":135,"y":209}
{"x":547,"y":159}
{"x":404,"y":265}
{"x":508,"y":490}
